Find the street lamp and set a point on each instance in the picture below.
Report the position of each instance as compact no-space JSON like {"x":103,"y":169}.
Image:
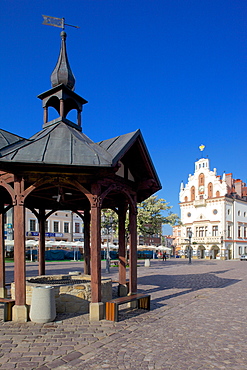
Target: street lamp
{"x":190,"y":236}
{"x":107,"y":225}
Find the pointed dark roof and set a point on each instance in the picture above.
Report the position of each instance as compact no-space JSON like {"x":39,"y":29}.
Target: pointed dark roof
{"x":62,"y":73}
{"x":131,"y":148}
{"x":61,"y":147}
{"x":118,"y":145}
{"x":7,"y":138}
{"x":59,"y":144}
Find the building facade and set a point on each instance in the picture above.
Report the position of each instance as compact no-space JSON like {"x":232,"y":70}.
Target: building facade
{"x":58,"y":227}
{"x":213,"y":215}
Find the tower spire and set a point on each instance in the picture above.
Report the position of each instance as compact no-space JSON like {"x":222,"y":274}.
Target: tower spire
{"x":62,"y":73}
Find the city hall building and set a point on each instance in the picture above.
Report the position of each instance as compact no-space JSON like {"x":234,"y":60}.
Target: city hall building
{"x":213,"y":215}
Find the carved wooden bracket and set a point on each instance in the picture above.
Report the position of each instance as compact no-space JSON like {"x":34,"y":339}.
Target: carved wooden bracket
{"x":9,"y":189}
{"x":96,"y":201}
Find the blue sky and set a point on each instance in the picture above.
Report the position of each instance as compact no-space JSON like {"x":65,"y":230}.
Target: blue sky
{"x":176,"y":69}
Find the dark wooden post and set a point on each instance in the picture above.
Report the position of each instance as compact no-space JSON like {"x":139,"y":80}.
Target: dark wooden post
{"x":96,"y":306}
{"x":42,"y":219}
{"x":45,"y":114}
{"x":2,"y":262}
{"x":61,"y":108}
{"x":87,"y":242}
{"x":79,"y":118}
{"x":121,"y":243}
{"x":95,"y":251}
{"x":20,"y":309}
{"x":133,"y":248}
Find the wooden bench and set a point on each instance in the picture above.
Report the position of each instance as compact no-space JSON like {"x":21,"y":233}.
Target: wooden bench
{"x":8,"y":304}
{"x":111,"y":308}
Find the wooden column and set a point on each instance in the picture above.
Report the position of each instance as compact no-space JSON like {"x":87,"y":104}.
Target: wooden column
{"x":121,"y":243}
{"x":133,"y":248}
{"x":95,"y":249}
{"x":19,"y":240}
{"x":2,"y":254}
{"x":79,"y":118}
{"x":87,"y":242}
{"x":45,"y":114}
{"x":61,"y":108}
{"x":42,"y":219}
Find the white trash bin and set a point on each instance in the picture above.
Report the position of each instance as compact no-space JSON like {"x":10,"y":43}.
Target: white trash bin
{"x":147,"y":263}
{"x":43,"y":305}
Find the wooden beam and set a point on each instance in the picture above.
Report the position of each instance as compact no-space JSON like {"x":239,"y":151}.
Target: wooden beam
{"x":133,"y":249}
{"x":19,"y":240}
{"x":2,"y":253}
{"x":95,"y":245}
{"x":122,"y":244}
{"x":42,"y":218}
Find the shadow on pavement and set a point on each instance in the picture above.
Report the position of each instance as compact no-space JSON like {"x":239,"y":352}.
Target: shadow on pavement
{"x":188,"y":283}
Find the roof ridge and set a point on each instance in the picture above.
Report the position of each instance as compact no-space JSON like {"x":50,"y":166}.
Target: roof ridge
{"x":46,"y":145}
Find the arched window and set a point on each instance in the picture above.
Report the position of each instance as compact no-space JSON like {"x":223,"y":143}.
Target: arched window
{"x":217,"y":193}
{"x":210,"y":190}
{"x":186,"y":199}
{"x":192,"y":193}
{"x":201,"y":180}
{"x":201,"y":189}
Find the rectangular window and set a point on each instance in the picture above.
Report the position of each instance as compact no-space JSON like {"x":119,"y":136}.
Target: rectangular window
{"x":32,"y":225}
{"x":46,"y":227}
{"x":239,"y":231}
{"x":206,"y":231}
{"x":55,"y":226}
{"x":239,"y":250}
{"x":66,"y":227}
{"x":229,"y":231}
{"x":244,"y":231}
{"x":188,"y":230}
{"x":197,"y":231}
{"x":201,"y":231}
{"x":215,"y":231}
{"x":77,"y":227}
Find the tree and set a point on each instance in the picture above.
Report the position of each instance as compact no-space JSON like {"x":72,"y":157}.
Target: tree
{"x":109,"y":222}
{"x":150,"y":216}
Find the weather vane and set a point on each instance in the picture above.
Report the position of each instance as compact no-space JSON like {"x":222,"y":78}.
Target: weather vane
{"x":202,"y":147}
{"x":56,"y":22}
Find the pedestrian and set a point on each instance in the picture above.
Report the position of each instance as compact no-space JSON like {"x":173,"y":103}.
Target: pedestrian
{"x":164,"y":256}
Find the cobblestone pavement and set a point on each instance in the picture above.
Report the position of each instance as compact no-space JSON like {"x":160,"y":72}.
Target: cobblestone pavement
{"x":197,"y":321}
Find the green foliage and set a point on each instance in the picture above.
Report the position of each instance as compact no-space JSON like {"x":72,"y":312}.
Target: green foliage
{"x":151,"y":217}
{"x":109,"y":221}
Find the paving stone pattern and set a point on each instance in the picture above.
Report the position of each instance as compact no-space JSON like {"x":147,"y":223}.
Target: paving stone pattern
{"x":197,"y":321}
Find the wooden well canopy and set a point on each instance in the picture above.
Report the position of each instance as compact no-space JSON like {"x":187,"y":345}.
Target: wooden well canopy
{"x":60,"y":168}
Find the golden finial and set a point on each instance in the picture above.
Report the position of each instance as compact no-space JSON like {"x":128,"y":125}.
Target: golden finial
{"x":202,"y":147}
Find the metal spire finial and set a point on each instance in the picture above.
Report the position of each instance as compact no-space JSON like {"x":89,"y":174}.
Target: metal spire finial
{"x":62,"y":73}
